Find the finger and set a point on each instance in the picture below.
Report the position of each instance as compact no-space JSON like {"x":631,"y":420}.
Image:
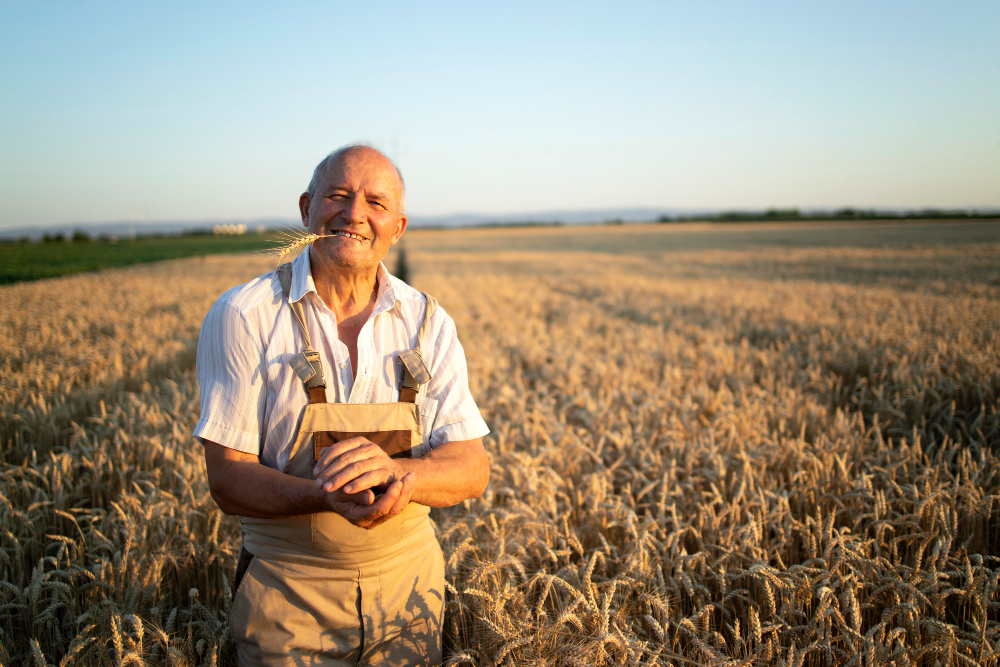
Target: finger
{"x":355,"y":507}
{"x":338,"y":448}
{"x":376,"y":513}
{"x":352,"y":472}
{"x":364,"y":454}
{"x":368,"y":480}
{"x":328,"y":454}
{"x":355,"y":462}
{"x":409,"y":483}
{"x":365,"y":497}
{"x":360,"y":453}
{"x":405,"y":488}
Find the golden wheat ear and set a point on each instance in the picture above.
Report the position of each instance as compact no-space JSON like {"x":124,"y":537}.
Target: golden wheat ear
{"x":291,"y":241}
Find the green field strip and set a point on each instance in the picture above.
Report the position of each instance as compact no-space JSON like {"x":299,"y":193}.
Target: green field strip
{"x":35,"y":261}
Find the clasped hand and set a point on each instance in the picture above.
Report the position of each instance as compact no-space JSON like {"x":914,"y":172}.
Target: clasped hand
{"x":352,"y":470}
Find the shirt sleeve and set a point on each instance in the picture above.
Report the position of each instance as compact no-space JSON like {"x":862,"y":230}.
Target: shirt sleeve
{"x":230,"y":369}
{"x":457,"y":416}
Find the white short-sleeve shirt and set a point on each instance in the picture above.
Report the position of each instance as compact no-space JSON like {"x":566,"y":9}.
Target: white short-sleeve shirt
{"x":251,"y":399}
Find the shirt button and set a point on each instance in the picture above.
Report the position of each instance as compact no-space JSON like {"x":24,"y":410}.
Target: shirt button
{"x":343,"y":364}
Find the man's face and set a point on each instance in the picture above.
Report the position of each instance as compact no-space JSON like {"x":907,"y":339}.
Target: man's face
{"x":358,"y":202}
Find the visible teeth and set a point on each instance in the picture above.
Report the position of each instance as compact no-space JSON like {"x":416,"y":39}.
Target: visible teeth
{"x":349,"y":235}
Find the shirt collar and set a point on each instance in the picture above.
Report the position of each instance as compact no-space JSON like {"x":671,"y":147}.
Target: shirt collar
{"x":386,"y":297}
{"x":303,"y":283}
{"x":302,"y":279}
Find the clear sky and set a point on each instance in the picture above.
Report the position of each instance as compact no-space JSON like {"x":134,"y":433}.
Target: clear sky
{"x":184,"y":111}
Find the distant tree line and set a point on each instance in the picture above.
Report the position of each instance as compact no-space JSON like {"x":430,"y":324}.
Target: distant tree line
{"x":846,"y":213}
{"x":78,"y":236}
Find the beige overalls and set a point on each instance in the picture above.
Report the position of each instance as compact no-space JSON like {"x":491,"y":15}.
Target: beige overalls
{"x":318,"y":590}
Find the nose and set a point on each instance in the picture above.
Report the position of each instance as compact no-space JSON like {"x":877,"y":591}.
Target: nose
{"x":356,"y":212}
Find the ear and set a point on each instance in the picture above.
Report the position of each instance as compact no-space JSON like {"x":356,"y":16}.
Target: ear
{"x":304,"y":201}
{"x":400,"y":228}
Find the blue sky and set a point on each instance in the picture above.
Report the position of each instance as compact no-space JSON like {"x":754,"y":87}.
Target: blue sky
{"x":126,"y":110}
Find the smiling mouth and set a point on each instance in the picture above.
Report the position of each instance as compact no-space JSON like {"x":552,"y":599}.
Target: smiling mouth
{"x":349,"y":235}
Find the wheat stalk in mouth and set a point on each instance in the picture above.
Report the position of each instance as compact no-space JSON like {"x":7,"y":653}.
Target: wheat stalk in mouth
{"x":292,"y":241}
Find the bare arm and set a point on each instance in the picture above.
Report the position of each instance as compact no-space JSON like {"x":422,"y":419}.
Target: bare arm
{"x":241,"y":485}
{"x":446,"y":475}
{"x":450,"y":473}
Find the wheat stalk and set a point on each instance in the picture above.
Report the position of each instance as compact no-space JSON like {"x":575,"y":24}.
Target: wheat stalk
{"x":292,"y":240}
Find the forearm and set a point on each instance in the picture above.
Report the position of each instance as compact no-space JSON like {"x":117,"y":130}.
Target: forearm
{"x":449,"y":474}
{"x":240,"y":485}
{"x":269,"y":494}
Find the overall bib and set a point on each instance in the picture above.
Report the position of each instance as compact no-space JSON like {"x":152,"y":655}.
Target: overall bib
{"x":318,"y":590}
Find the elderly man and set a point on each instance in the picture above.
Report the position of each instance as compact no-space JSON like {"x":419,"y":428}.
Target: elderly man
{"x":335,"y":410}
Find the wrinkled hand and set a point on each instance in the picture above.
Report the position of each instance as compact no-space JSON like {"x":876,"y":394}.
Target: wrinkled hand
{"x":388,"y":505}
{"x":352,"y":471}
{"x":354,"y":465}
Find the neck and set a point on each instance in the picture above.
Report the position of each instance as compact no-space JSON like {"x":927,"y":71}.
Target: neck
{"x":346,"y":291}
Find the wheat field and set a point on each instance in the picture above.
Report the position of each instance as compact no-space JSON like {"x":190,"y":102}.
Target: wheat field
{"x":725,"y":445}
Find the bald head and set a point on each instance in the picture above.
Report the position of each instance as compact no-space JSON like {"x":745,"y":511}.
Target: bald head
{"x":334,"y":158}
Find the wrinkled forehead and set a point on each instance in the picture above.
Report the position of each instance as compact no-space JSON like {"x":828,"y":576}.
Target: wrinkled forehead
{"x":362,"y":168}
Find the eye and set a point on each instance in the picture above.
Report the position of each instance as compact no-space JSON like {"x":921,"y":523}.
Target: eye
{"x":339,"y":196}
{"x":376,"y":202}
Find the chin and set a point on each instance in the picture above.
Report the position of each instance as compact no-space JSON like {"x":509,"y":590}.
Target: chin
{"x":348,"y":261}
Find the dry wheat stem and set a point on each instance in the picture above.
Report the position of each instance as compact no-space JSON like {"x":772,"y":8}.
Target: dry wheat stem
{"x":292,"y":242}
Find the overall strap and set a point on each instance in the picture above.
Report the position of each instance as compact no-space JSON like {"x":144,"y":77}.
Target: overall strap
{"x":415,"y":371}
{"x":306,"y":364}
